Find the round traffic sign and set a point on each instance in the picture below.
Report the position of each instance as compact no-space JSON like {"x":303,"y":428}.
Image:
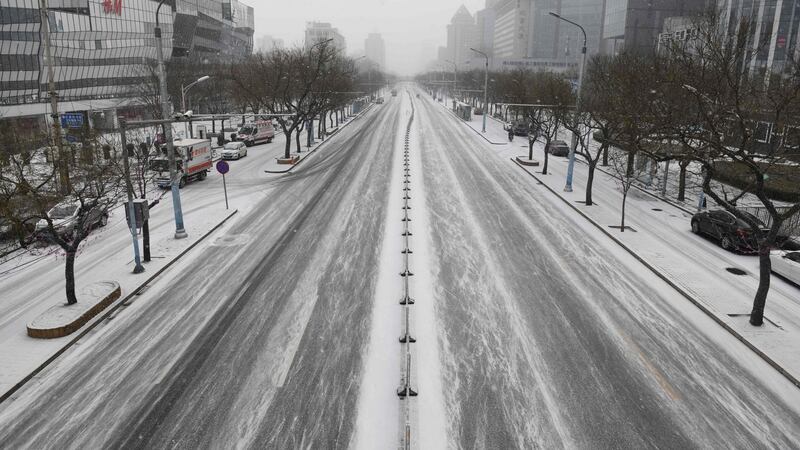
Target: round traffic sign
{"x":223,"y":167}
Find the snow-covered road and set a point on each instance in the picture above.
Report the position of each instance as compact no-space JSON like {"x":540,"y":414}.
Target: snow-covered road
{"x":553,"y":338}
{"x":539,"y":332}
{"x":257,"y":341}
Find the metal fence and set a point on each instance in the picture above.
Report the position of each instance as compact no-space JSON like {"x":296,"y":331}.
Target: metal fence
{"x":790,"y":227}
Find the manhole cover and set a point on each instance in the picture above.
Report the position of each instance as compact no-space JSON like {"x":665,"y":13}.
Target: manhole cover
{"x":736,"y":271}
{"x":657,"y":209}
{"x":233,"y":240}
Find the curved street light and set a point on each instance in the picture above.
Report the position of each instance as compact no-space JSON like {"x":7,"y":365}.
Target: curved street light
{"x":574,"y":146}
{"x":180,"y":230}
{"x":184,"y":90}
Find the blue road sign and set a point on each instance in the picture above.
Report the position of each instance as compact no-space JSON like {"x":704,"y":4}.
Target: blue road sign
{"x":72,"y":120}
{"x":223,"y":167}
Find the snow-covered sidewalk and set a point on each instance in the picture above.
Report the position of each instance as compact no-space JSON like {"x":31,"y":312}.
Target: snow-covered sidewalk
{"x":104,"y":257}
{"x":697,"y":267}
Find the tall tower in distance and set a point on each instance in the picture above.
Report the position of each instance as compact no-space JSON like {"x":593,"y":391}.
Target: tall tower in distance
{"x":375,"y":50}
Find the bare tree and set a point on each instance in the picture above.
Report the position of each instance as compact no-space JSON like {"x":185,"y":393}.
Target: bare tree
{"x":283,"y":82}
{"x":741,"y":124}
{"x":625,"y":175}
{"x":28,"y":191}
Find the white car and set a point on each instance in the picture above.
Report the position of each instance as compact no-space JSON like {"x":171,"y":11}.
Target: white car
{"x":234,"y":150}
{"x":786,"y":264}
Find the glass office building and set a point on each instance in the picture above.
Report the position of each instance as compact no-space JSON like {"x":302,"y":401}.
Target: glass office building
{"x":634,"y":25}
{"x":777,"y":29}
{"x":101,"y":50}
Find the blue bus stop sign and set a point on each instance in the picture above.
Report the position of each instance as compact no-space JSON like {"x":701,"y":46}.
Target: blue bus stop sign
{"x":223,"y":167}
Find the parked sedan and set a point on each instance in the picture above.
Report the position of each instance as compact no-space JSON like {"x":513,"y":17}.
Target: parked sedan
{"x":731,"y":232}
{"x":557,"y":148}
{"x":66,"y":217}
{"x":234,"y":150}
{"x":786,"y":264}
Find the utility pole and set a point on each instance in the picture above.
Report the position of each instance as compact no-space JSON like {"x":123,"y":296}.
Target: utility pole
{"x":574,"y":146}
{"x":455,"y":77}
{"x":180,"y":231}
{"x":60,"y":159}
{"x":138,"y":268}
{"x":485,"y":87}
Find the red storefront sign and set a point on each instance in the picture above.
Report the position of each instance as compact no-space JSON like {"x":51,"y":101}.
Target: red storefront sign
{"x":112,"y":7}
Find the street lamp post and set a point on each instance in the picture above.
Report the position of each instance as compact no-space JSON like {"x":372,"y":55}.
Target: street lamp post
{"x":485,"y":86}
{"x":455,"y":76}
{"x":184,"y":90}
{"x":574,"y":146}
{"x":138,"y":268}
{"x":180,"y":231}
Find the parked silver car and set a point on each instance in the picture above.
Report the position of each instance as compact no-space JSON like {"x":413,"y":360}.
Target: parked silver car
{"x":66,"y":218}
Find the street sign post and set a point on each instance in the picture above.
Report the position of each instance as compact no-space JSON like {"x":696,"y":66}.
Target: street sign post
{"x":223,"y":168}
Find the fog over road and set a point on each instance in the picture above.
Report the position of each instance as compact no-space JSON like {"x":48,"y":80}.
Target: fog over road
{"x":547,"y":337}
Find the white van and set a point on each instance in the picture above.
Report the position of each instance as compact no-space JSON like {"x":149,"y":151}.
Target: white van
{"x":256,"y":133}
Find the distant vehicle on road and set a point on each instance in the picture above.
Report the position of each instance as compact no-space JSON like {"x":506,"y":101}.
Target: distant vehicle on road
{"x":256,"y":132}
{"x":234,"y":150}
{"x":379,"y":100}
{"x":732,"y":233}
{"x":786,"y":264}
{"x":66,"y":218}
{"x":394,"y":92}
{"x":557,"y":148}
{"x":192,"y":161}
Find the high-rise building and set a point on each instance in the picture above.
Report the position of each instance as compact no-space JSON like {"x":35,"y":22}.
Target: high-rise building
{"x":212,"y":29}
{"x":462,"y":33}
{"x":375,"y":50}
{"x":524,"y":34}
{"x":776,"y":32}
{"x":267,"y":43}
{"x":321,"y":31}
{"x":101,"y":51}
{"x":634,"y":25}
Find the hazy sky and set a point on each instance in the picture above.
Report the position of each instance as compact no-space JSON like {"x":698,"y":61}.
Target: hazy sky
{"x":411,"y":29}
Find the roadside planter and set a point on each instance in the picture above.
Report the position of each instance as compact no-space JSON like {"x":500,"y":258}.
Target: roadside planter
{"x":62,"y":319}
{"x":294,"y":159}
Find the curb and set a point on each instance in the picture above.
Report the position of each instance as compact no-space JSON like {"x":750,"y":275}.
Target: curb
{"x":108,"y":311}
{"x":674,"y":285}
{"x":311,"y":152}
{"x":470,"y":127}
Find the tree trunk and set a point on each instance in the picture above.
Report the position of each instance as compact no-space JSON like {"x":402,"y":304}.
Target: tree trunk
{"x":146,"y":240}
{"x":546,"y":158}
{"x":297,"y":139}
{"x":631,"y":164}
{"x":682,"y":181}
{"x":530,"y":149}
{"x":605,"y":155}
{"x":288,"y":148}
{"x":624,"y":201}
{"x":760,"y":301}
{"x":589,"y":181}
{"x":69,"y":274}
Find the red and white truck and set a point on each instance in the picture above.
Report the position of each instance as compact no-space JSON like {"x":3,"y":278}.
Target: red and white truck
{"x":256,"y":132}
{"x":192,"y":162}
